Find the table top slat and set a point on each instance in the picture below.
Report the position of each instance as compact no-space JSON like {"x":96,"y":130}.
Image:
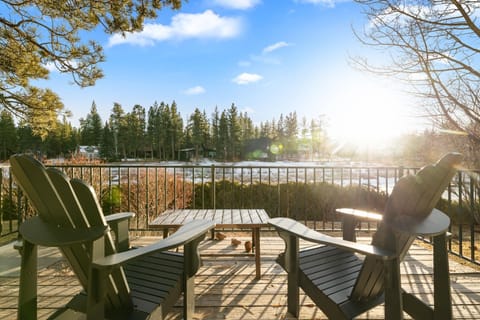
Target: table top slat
{"x":245,"y":217}
{"x":182,"y":217}
{"x":226,"y":217}
{"x":169,"y":217}
{"x":223,"y":218}
{"x":209,"y":214}
{"x":236,"y":216}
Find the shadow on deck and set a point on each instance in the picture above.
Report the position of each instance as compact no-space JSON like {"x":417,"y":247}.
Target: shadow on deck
{"x":226,"y":287}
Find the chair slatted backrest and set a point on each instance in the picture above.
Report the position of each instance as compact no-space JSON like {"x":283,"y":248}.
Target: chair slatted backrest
{"x":411,"y":201}
{"x":73,"y":204}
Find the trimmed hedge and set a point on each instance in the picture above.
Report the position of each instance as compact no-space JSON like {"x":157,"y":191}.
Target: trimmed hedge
{"x":301,"y":201}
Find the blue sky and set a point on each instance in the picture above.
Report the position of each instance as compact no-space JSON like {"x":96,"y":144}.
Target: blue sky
{"x":266,"y":56}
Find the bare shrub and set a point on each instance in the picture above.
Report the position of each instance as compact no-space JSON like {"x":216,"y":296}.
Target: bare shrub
{"x":149,"y":192}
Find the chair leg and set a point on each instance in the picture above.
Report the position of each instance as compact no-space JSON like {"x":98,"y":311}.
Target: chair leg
{"x":291,"y":266}
{"x":97,"y":289}
{"x":27,"y":296}
{"x":97,"y":283}
{"x":441,"y":279}
{"x":191,"y":262}
{"x":393,"y":292}
{"x":189,"y":297}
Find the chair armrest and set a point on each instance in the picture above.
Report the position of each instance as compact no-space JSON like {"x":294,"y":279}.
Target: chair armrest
{"x":362,"y":215}
{"x":299,"y":230}
{"x":39,"y":232}
{"x":184,"y":235}
{"x":118,"y":217}
{"x":118,"y":222}
{"x":350,"y":219}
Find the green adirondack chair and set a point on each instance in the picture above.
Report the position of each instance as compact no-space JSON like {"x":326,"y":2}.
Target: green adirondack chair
{"x":118,"y":282}
{"x":345,"y":278}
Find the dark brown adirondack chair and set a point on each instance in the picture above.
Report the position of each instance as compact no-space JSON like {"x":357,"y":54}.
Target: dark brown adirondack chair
{"x":345,"y":278}
{"x":118,"y":283}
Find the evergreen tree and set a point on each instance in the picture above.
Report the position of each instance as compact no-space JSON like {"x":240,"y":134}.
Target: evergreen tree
{"x":52,"y":144}
{"x":265,"y":130}
{"x":68,"y":142}
{"x":140,"y":117}
{"x":215,"y":130}
{"x":234,"y":133}
{"x":318,"y":136}
{"x":135,"y":131}
{"x":247,"y":127}
{"x":291,"y":132}
{"x":27,"y":140}
{"x":152,"y":128}
{"x":91,"y":128}
{"x":163,"y":123}
{"x":8,"y":135}
{"x":116,"y":125}
{"x":223,"y":137}
{"x":107,"y":146}
{"x":176,"y":129}
{"x":280,"y":130}
{"x":198,"y":131}
{"x":247,"y":131}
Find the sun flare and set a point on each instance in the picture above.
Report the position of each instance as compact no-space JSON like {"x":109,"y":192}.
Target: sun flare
{"x":370,"y":116}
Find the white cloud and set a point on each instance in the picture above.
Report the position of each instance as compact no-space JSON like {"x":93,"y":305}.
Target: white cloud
{"x":194,"y":90}
{"x":183,"y":26}
{"x":246,"y":78}
{"x":275,"y":46}
{"x":237,"y":4}
{"x":52,"y":67}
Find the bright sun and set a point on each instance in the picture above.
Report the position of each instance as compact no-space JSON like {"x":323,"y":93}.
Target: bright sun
{"x":369,"y":115}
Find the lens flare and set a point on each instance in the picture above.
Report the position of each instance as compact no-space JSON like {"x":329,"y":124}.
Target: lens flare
{"x":276,"y":148}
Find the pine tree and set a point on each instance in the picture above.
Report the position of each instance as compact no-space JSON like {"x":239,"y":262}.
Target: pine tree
{"x":152,"y":129}
{"x":291,"y":132}
{"x":198,"y":131}
{"x":116,"y":125}
{"x":91,"y":128}
{"x":223,"y":137}
{"x":107,"y":147}
{"x":27,"y":140}
{"x":177,"y":129}
{"x":135,"y":131}
{"x":8,"y":135}
{"x":215,"y":130}
{"x":163,"y":125}
{"x":234,"y":132}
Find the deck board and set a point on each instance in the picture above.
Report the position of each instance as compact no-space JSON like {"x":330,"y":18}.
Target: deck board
{"x":226,"y":287}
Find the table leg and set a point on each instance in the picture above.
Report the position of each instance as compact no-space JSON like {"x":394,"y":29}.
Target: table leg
{"x":165,"y":233}
{"x":256,"y":243}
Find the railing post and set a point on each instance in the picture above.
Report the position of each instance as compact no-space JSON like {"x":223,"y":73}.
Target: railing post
{"x":213,"y":195}
{"x":460,"y":205}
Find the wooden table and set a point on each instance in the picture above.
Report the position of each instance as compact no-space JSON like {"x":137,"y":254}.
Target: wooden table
{"x":253,"y":219}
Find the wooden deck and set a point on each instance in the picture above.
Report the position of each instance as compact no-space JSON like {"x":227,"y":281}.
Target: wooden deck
{"x":226,"y":287}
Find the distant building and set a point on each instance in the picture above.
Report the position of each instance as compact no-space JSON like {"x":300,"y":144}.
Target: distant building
{"x":188,"y":154}
{"x":88,"y":152}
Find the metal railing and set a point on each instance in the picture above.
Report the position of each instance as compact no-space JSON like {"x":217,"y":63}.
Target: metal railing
{"x":306,"y":193}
